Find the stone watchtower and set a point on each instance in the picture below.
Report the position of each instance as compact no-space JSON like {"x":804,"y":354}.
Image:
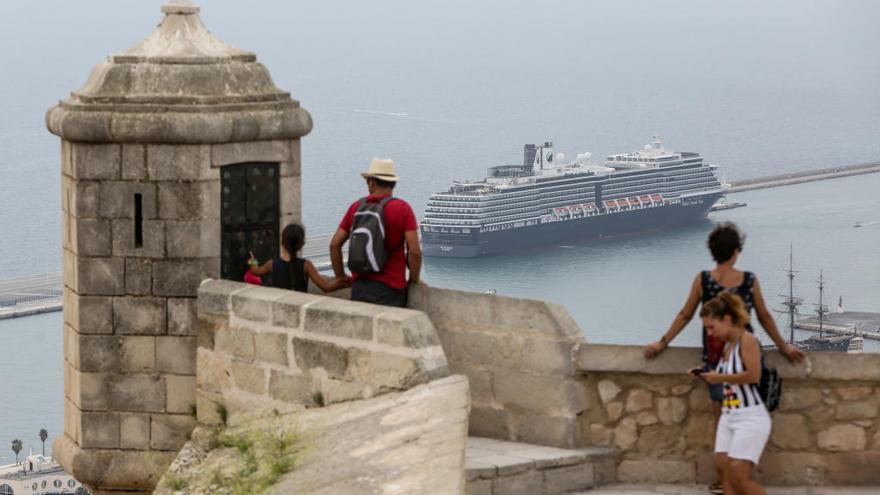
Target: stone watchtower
{"x":178,"y":157}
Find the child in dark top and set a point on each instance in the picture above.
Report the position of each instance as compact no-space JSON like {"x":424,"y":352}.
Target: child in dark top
{"x":291,"y":272}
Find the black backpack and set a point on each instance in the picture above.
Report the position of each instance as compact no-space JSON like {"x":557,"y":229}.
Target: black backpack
{"x":366,"y":247}
{"x":770,"y":387}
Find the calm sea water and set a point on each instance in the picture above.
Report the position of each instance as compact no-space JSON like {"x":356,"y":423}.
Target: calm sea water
{"x":758,"y":88}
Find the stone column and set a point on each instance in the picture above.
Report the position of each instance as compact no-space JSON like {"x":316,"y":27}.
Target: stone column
{"x":144,"y":143}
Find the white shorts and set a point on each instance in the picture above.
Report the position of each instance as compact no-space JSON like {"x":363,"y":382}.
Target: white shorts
{"x":743,"y":433}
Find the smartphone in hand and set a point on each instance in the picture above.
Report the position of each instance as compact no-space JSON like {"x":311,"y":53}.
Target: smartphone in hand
{"x":696,"y":371}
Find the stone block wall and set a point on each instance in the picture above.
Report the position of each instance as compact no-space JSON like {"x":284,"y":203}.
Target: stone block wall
{"x":129,"y":300}
{"x":264,"y":348}
{"x":517,"y":355}
{"x":825,"y":432}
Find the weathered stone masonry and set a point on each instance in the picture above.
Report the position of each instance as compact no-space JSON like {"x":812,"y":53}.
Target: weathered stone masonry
{"x":534,"y":378}
{"x":826,"y":431}
{"x":518,"y":357}
{"x":265,"y":348}
{"x":143,"y":146}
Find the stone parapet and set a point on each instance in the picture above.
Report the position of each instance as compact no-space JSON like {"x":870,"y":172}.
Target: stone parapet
{"x":825,"y":432}
{"x":517,"y":355}
{"x":272,"y":348}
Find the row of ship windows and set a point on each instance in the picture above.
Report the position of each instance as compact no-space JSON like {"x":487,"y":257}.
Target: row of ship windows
{"x":634,"y":183}
{"x":667,"y":176}
{"x":533,"y":206}
{"x":567,"y":199}
{"x":576,"y":197}
{"x":644,"y":189}
{"x":504,"y":219}
{"x":656,"y":185}
{"x":502,"y":205}
{"x":512,"y":216}
{"x":562,"y":184}
{"x":706,"y":182}
{"x":498,"y":220}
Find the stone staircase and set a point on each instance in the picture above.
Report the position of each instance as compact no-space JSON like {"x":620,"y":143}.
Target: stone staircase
{"x":496,"y":467}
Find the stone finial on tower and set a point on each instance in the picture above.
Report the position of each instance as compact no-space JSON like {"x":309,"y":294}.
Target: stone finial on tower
{"x":179,"y":156}
{"x":184,"y":7}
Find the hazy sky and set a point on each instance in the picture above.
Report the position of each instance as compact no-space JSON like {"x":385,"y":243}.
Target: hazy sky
{"x":757,"y":87}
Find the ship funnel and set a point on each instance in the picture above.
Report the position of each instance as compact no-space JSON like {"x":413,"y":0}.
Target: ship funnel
{"x":539,"y":157}
{"x":529,"y":152}
{"x":544,"y":157}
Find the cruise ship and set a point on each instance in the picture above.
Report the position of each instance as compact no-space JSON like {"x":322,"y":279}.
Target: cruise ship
{"x":547,"y":200}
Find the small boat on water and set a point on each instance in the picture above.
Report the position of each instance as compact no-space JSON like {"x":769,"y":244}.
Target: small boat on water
{"x":727,"y":206}
{"x":857,"y":224}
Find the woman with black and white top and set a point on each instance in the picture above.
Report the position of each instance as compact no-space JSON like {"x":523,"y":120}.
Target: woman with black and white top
{"x":744,"y":426}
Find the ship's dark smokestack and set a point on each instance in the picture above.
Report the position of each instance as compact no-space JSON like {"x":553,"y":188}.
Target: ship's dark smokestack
{"x":529,"y":152}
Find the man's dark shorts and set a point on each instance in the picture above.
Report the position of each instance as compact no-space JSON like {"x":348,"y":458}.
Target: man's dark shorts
{"x":372,"y":291}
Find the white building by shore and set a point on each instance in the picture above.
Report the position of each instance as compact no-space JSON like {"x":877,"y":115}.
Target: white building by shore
{"x":38,"y":475}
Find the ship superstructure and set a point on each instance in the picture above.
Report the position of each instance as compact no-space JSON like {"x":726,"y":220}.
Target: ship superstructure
{"x":546,"y":200}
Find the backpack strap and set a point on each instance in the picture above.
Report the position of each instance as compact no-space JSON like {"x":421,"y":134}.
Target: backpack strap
{"x":402,"y":242}
{"x":360,"y":204}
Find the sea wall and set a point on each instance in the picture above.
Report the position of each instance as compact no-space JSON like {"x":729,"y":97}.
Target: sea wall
{"x":262,"y":347}
{"x":825,"y":432}
{"x":518,"y":357}
{"x":805,"y":176}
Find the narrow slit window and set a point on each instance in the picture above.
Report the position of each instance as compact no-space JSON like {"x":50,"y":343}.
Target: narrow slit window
{"x":138,"y":221}
{"x":69,"y":218}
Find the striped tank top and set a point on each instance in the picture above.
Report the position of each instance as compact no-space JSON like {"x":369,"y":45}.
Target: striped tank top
{"x":737,"y":396}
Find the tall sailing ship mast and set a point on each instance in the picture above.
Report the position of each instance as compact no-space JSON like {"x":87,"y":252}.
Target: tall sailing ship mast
{"x":790,"y":302}
{"x":821,"y":308}
{"x":820,"y":343}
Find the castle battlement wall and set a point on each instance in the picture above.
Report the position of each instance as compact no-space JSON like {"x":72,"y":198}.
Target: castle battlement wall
{"x":262,"y":347}
{"x":825,"y":432}
{"x":518,"y":357}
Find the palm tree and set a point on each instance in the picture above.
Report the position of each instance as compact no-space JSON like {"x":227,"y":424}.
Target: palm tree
{"x":43,"y":436}
{"x":16,"y":447}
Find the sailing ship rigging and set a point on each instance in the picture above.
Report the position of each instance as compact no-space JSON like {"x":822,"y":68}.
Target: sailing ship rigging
{"x":825,"y":341}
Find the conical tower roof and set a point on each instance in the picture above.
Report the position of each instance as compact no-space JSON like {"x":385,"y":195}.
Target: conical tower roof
{"x":181,"y":84}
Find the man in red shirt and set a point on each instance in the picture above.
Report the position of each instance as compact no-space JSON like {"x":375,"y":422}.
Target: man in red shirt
{"x":389,"y":285}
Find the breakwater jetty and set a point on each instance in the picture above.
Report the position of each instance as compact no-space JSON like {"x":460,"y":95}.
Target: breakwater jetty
{"x":807,"y":176}
{"x":30,"y":295}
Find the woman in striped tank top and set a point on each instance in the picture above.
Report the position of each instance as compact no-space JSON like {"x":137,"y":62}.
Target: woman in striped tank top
{"x":744,"y":426}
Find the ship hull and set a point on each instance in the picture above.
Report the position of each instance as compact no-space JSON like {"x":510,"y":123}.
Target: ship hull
{"x":569,"y":231}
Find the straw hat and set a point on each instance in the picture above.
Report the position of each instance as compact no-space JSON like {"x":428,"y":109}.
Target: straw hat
{"x":382,"y":169}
